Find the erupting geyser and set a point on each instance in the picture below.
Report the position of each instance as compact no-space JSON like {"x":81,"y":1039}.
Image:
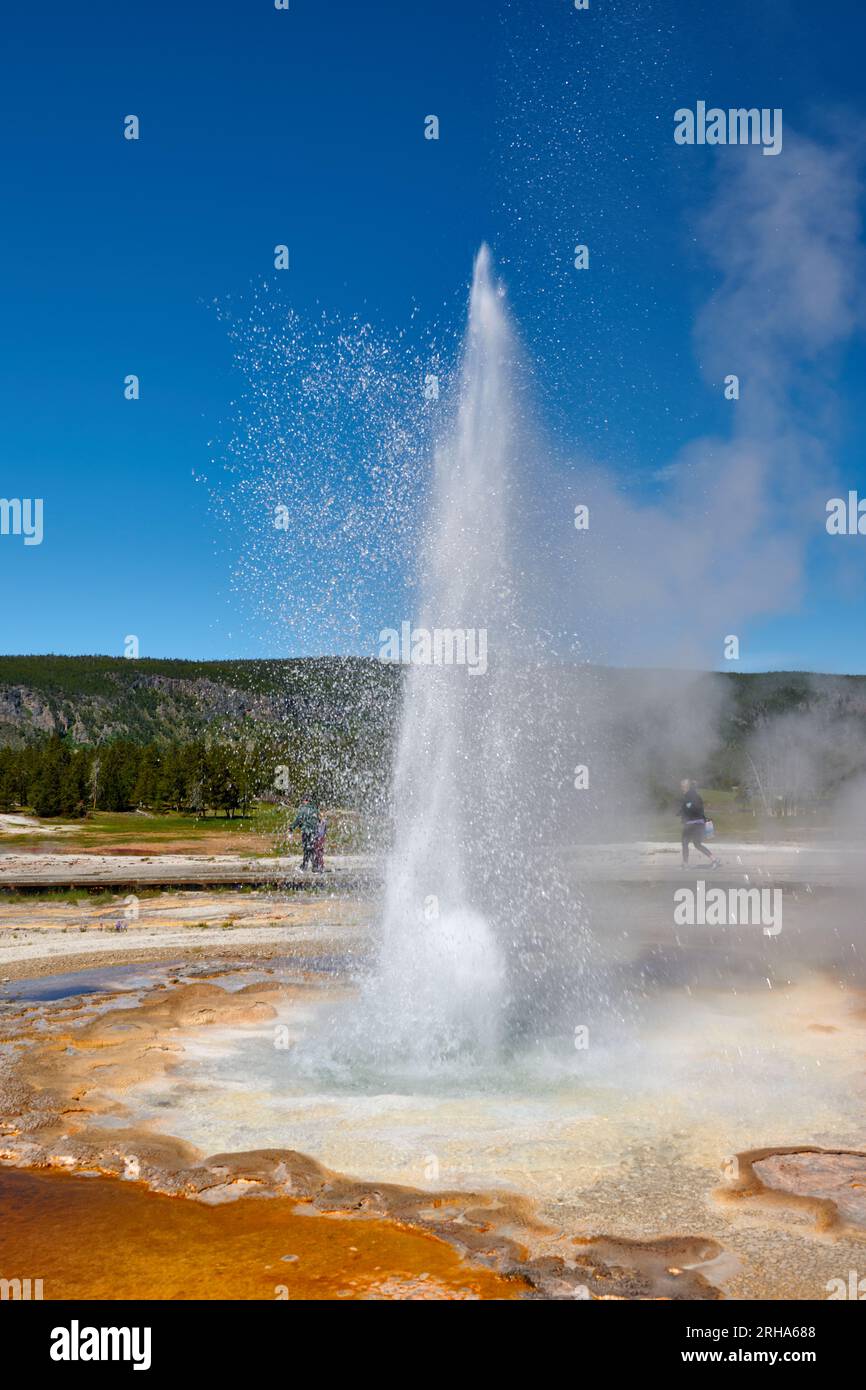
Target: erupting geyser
{"x":442,"y":978}
{"x":465,"y":879}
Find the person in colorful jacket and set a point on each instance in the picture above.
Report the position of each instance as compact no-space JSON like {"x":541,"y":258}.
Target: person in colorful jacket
{"x":307,"y":821}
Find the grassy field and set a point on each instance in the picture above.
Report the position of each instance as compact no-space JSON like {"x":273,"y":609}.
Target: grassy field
{"x":261,"y":833}
{"x":264,"y":832}
{"x":733,"y":822}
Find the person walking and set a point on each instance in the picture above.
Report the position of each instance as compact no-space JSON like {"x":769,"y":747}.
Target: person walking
{"x":694,"y":819}
{"x":307,"y":821}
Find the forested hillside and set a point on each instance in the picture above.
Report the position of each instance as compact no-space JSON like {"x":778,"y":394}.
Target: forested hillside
{"x":105,"y":733}
{"x":92,"y":699}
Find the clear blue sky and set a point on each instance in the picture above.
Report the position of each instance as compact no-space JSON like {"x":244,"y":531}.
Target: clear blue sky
{"x":305,"y":127}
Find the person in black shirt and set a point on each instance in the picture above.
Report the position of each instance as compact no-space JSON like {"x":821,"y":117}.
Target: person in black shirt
{"x":694,"y":819}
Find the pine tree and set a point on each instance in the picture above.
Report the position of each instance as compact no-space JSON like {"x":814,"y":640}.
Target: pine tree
{"x":45,"y":791}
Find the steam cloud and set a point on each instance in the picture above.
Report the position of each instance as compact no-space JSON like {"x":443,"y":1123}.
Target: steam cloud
{"x":664,"y":582}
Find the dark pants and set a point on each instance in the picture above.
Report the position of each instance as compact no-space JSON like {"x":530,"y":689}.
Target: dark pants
{"x":693,"y":834}
{"x":308,"y":842}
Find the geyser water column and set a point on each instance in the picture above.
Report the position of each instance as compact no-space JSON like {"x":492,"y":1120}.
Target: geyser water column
{"x":457,"y":875}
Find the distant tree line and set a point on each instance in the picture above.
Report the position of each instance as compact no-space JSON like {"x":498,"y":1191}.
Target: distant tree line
{"x":53,"y":779}
{"x":57,"y":778}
